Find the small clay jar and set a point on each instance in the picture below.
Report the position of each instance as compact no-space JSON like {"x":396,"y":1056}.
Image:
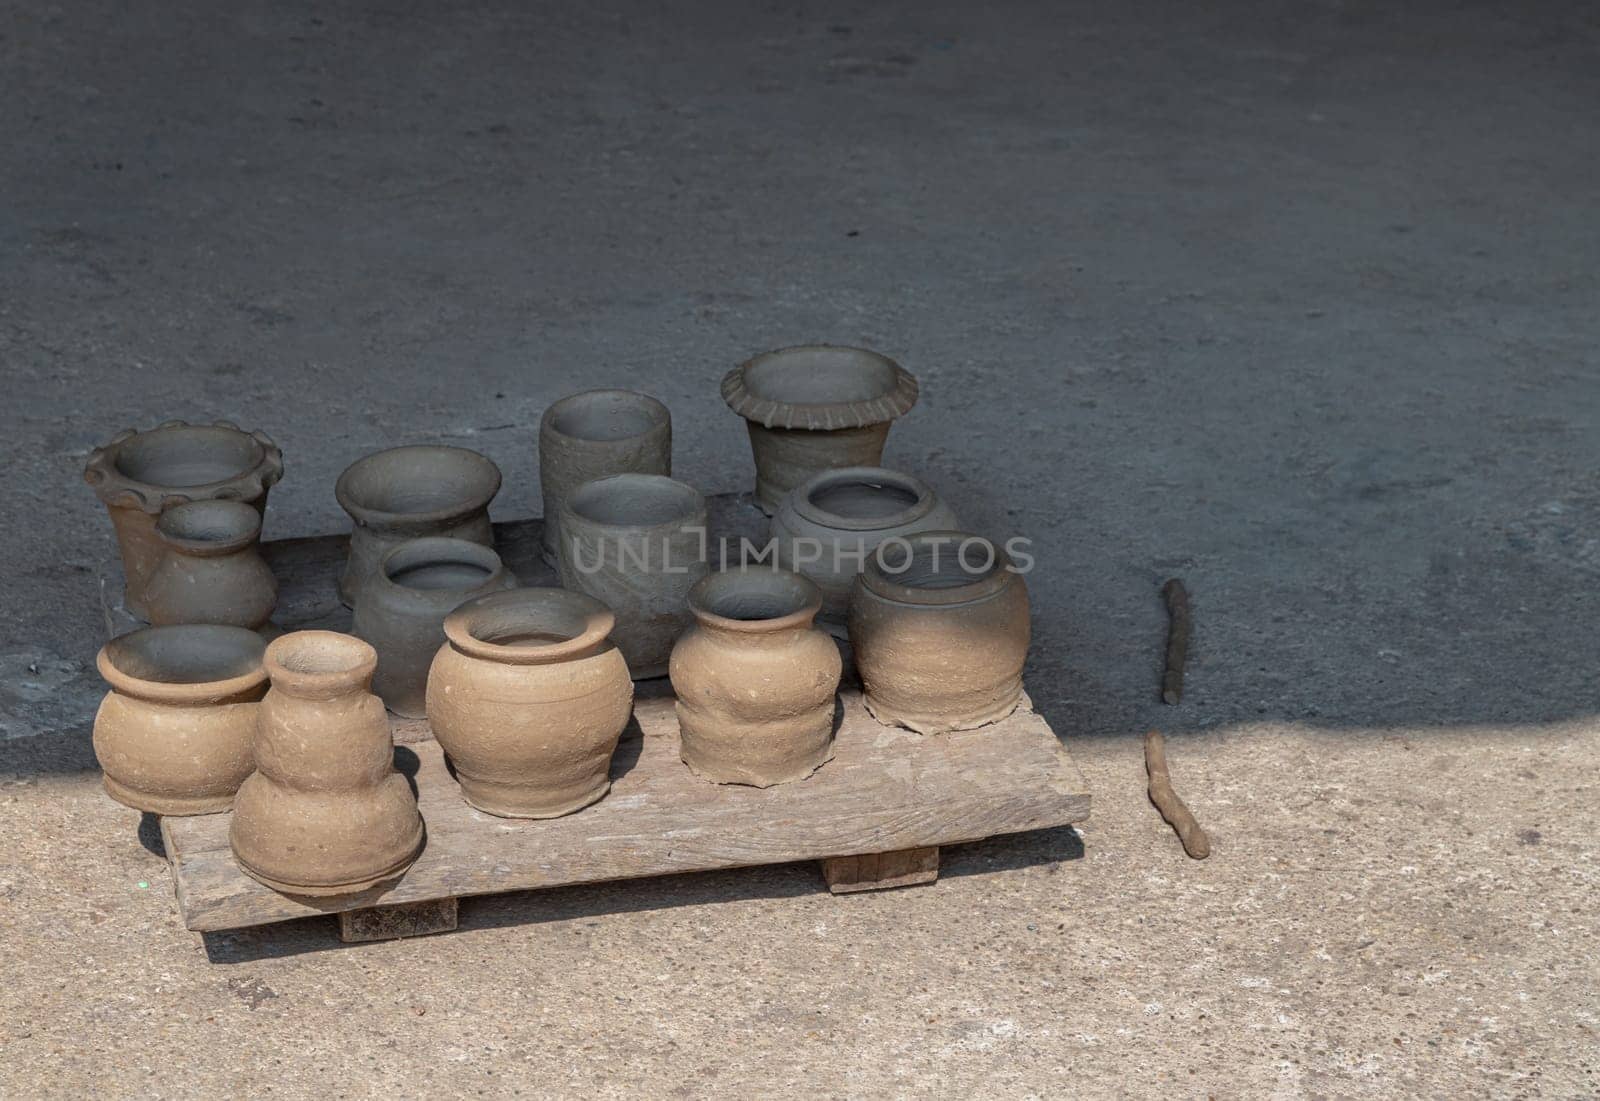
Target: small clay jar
{"x":827,"y":526}
{"x":594,"y":434}
{"x":212,"y":570}
{"x":755,"y":680}
{"x":636,"y":543}
{"x":939,"y":627}
{"x":402,"y":607}
{"x":529,"y":699}
{"x":815,"y":407}
{"x":409,"y":493}
{"x":173,"y":735}
{"x":325,"y":812}
{"x":140,"y":474}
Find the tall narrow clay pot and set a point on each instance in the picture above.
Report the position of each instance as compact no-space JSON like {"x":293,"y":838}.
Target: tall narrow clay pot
{"x":211,"y":570}
{"x":409,"y":493}
{"x":592,"y":435}
{"x":939,"y":627}
{"x":529,"y":699}
{"x":637,"y":543}
{"x":827,"y":526}
{"x":325,"y":812}
{"x":139,"y":474}
{"x":816,"y":407}
{"x":173,"y":735}
{"x":755,"y":679}
{"x":402,"y":607}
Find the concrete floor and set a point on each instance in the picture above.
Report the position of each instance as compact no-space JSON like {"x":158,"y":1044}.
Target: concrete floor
{"x":1299,"y":303}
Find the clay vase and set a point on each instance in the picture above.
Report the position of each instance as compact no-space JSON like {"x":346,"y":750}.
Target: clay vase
{"x":815,"y":407}
{"x":410,"y":493}
{"x":325,"y":812}
{"x":402,"y":608}
{"x":636,"y":543}
{"x":594,"y":434}
{"x":827,"y":526}
{"x":755,"y":680}
{"x":211,"y":570}
{"x":139,"y":474}
{"x":939,"y":627}
{"x":173,"y":735}
{"x":529,"y":699}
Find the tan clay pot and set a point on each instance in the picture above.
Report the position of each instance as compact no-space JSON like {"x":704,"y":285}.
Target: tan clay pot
{"x":755,"y":680}
{"x":529,"y":700}
{"x":411,"y":493}
{"x":939,"y":627}
{"x":815,"y":407}
{"x":211,"y":570}
{"x":637,"y":544}
{"x":592,"y":435}
{"x":402,"y":608}
{"x":173,"y":735}
{"x":139,"y":474}
{"x":325,"y":812}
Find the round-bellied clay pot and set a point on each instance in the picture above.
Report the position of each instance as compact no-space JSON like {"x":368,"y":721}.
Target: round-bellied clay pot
{"x":211,"y":570}
{"x":325,"y":812}
{"x":815,"y":407}
{"x":173,"y":735}
{"x":755,"y":680}
{"x":139,"y":474}
{"x":402,"y":607}
{"x":529,"y":699}
{"x":408,"y":493}
{"x":636,"y":543}
{"x":939,"y":626}
{"x":827,"y":526}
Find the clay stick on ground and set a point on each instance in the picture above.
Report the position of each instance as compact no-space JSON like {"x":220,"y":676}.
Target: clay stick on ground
{"x":1195,"y":841}
{"x":1177,"y":640}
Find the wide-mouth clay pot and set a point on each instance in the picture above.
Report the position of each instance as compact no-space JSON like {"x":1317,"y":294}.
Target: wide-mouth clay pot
{"x":755,"y":680}
{"x":408,"y":493}
{"x":636,"y":543}
{"x":815,"y":407}
{"x":140,"y":474}
{"x":528,"y":698}
{"x":592,"y":435}
{"x":402,"y":608}
{"x":827,"y":526}
{"x":173,"y":736}
{"x":325,"y":812}
{"x":939,"y":626}
{"x":211,"y":570}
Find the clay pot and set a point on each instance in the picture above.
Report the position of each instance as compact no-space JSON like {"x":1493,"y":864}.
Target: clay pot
{"x":636,"y":543}
{"x":939,"y":627}
{"x":409,"y":493}
{"x":212,"y":570}
{"x":325,"y":812}
{"x":139,"y":474}
{"x":813,"y":408}
{"x":173,"y":735}
{"x":529,"y":699}
{"x":592,"y":435}
{"x":755,"y":680}
{"x":402,"y":608}
{"x":827,"y":526}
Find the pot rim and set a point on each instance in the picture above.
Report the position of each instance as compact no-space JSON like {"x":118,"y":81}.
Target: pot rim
{"x":894,"y":401}
{"x":660,"y":417}
{"x":352,"y":671}
{"x":483,"y":467}
{"x":180,"y":692}
{"x":439,"y":550}
{"x":877,"y":477}
{"x":707,"y":587}
{"x":598,"y":620}
{"x":204,"y":547}
{"x":693,"y":500}
{"x":882,"y":583}
{"x":116,"y":488}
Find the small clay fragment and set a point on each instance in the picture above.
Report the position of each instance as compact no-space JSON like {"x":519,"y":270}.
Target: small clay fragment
{"x":1177,"y":598}
{"x":212,"y":570}
{"x":593,"y":435}
{"x":1195,"y":841}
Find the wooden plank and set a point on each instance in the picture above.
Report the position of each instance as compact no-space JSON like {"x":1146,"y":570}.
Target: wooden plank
{"x":886,"y":789}
{"x":409,"y":919}
{"x":881,"y":871}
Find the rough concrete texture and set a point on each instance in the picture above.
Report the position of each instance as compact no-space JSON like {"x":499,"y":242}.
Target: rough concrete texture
{"x":1299,"y":303}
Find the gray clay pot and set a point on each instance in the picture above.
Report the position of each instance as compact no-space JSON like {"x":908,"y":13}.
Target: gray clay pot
{"x":592,"y":435}
{"x":211,"y":570}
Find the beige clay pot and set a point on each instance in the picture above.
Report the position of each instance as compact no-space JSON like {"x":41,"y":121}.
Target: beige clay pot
{"x":325,"y":812}
{"x":529,"y":699}
{"x":173,"y":735}
{"x":755,"y":680}
{"x":592,"y":435}
{"x":211,"y":570}
{"x":939,"y":627}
